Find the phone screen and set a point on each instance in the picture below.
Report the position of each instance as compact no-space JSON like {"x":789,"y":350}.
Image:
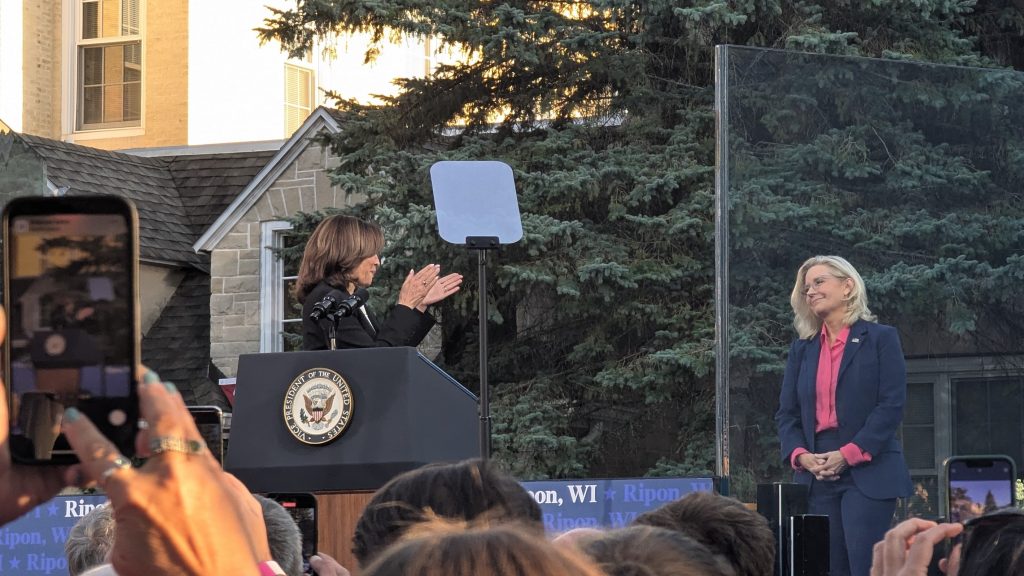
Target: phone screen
{"x":978,"y":485}
{"x":302,"y":508}
{"x":70,"y":319}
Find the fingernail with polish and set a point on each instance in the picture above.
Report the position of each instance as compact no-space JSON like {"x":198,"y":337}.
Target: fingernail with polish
{"x":150,"y":377}
{"x":71,"y":414}
{"x":171,"y":387}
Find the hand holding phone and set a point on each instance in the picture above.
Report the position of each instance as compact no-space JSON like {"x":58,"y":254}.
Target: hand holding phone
{"x":23,"y":487}
{"x":70,"y":286}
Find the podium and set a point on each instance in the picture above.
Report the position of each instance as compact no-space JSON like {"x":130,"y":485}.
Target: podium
{"x":405,"y":412}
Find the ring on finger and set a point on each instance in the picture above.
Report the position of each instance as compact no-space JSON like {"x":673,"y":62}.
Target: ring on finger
{"x":119,"y":463}
{"x":162,"y":444}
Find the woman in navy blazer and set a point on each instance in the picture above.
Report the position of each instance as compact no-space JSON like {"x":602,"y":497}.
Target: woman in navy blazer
{"x":840,"y":407}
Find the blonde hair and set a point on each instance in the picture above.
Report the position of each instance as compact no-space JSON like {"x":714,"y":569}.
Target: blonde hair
{"x":805,"y":321}
{"x":446,"y":548}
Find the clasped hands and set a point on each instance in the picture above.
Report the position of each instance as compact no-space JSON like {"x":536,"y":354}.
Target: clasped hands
{"x":826,"y":466}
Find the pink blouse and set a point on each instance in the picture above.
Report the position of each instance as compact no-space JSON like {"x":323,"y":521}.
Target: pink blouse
{"x":829,"y":360}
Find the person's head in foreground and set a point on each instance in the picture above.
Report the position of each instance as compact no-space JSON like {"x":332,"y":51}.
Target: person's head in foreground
{"x":650,"y":551}
{"x":439,"y":548}
{"x":990,"y":544}
{"x":90,"y":540}
{"x":724,"y":525}
{"x":461,"y":491}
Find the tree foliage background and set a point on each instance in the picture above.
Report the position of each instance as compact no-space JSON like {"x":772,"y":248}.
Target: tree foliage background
{"x":911,"y":171}
{"x":602,"y":316}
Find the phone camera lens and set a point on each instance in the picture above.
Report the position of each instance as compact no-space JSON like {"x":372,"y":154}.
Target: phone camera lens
{"x":117,"y":417}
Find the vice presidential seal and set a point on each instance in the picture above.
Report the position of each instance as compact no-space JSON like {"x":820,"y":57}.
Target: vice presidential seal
{"x":317,"y":406}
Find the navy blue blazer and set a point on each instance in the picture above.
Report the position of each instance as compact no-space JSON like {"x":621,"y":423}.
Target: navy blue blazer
{"x":870,"y":394}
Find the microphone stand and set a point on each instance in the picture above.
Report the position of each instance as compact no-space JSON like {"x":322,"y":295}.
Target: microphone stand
{"x":337,"y":310}
{"x":332,"y":330}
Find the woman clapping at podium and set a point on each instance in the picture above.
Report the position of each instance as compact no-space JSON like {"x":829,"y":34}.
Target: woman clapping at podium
{"x":341,"y":258}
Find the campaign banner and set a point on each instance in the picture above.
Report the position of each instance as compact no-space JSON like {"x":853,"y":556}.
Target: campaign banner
{"x":610,"y":503}
{"x":34,"y":543}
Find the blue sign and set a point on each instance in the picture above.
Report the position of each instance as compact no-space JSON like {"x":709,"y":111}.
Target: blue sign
{"x":610,"y":503}
{"x":34,"y":543}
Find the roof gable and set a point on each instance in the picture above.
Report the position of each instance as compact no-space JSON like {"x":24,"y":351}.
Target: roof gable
{"x":208,"y":183}
{"x":177,"y":196}
{"x":320,"y":119}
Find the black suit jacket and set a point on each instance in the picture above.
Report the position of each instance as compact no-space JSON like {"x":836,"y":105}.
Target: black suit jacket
{"x":403,"y":327}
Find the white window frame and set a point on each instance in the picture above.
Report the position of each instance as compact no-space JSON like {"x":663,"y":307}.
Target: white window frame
{"x":272,"y":285}
{"x":71,"y":23}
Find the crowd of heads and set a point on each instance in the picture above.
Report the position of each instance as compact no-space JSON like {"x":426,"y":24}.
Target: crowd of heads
{"x":471,"y":518}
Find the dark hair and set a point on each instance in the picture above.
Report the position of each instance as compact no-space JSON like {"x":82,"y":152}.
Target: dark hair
{"x":651,"y":551}
{"x":993,"y":544}
{"x":440,"y":549}
{"x":727,"y":527}
{"x":337,"y":245}
{"x":465,"y":490}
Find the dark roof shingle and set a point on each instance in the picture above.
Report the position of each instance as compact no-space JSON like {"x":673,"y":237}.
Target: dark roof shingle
{"x":177,"y":197}
{"x":177,"y":345}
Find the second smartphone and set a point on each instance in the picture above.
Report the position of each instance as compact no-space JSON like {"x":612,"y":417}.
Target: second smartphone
{"x":70,"y":289}
{"x":978,"y":484}
{"x":210,"y":422}
{"x":302,"y":507}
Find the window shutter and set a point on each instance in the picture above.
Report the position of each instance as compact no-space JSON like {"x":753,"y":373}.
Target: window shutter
{"x":298,"y":97}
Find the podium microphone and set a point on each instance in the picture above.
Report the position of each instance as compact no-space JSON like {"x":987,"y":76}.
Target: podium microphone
{"x":339,"y":303}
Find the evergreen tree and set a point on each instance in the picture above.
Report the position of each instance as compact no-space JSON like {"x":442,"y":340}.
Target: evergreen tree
{"x":990,"y":502}
{"x":602,"y":316}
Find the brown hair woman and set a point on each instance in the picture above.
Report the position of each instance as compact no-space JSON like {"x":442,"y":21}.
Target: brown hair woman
{"x":343,"y":254}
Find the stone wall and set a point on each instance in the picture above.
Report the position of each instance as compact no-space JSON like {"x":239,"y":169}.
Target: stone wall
{"x":235,"y":263}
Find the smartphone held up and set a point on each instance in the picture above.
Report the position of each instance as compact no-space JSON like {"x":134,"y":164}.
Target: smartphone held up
{"x":978,"y":484}
{"x":70,"y":289}
{"x":303,"y":510}
{"x":210,"y":423}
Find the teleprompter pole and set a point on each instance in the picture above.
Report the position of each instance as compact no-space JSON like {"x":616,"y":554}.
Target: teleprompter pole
{"x":482,"y":244}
